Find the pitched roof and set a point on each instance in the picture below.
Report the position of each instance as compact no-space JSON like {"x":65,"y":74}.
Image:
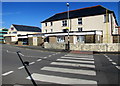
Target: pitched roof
{"x":88,"y":11}
{"x":27,"y":28}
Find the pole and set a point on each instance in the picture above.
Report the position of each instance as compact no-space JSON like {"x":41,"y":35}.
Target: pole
{"x":107,"y":25}
{"x":26,"y":69}
{"x":68,"y":27}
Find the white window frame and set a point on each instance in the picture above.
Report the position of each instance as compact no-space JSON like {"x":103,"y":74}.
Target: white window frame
{"x":80,"y":21}
{"x":80,"y":29}
{"x":64,"y":23}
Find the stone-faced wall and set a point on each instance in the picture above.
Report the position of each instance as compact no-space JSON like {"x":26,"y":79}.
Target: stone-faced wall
{"x":101,"y":47}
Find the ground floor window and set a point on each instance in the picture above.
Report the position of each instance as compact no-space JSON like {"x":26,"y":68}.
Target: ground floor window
{"x":61,"y":39}
{"x":81,"y":39}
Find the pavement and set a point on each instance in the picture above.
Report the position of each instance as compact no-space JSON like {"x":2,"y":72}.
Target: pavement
{"x":62,"y":50}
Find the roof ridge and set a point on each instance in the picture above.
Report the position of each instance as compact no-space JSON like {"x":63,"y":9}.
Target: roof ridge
{"x":25,"y":25}
{"x":80,"y":9}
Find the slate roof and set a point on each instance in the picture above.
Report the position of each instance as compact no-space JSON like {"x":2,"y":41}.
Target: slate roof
{"x":27,"y":28}
{"x":83,"y":12}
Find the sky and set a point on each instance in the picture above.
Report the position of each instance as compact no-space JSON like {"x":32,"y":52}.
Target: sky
{"x":33,"y":13}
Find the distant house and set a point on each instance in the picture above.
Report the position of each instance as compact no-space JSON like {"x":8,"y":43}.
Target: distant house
{"x":3,"y":31}
{"x":94,"y":24}
{"x":18,"y":34}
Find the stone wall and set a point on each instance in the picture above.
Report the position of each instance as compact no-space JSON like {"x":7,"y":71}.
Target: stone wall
{"x":86,"y":47}
{"x":54,"y":45}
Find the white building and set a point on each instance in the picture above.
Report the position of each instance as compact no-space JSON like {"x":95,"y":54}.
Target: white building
{"x":20,"y":33}
{"x":94,"y":24}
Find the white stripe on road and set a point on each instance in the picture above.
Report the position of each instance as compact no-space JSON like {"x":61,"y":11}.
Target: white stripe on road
{"x":7,"y":73}
{"x":39,"y":60}
{"x":80,"y":55}
{"x":66,"y":70}
{"x":49,"y":55}
{"x":75,"y":61}
{"x":71,"y":64}
{"x":114,"y":63}
{"x":21,"y":67}
{"x":21,"y":54}
{"x":44,"y":57}
{"x":79,"y":58}
{"x":31,"y":63}
{"x":60,"y":80}
{"x":118,"y":67}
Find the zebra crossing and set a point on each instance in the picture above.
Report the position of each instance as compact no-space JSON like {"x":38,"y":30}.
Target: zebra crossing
{"x":69,"y":69}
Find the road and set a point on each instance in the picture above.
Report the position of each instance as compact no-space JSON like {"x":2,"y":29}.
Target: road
{"x":63,"y":68}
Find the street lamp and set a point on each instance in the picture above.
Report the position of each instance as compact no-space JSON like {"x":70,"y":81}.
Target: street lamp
{"x":68,"y":47}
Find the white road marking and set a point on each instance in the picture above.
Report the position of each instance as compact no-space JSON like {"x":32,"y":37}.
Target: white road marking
{"x":49,"y":55}
{"x":60,"y":80}
{"x":72,"y":64}
{"x":75,"y":61}
{"x":66,"y":70}
{"x":114,"y":63}
{"x":79,"y":55}
{"x":21,"y":54}
{"x":110,"y":60}
{"x":53,"y":54}
{"x":78,"y":58}
{"x":39,"y":60}
{"x":45,"y":57}
{"x":31,"y":63}
{"x":7,"y":73}
{"x":21,"y":67}
{"x":118,"y":67}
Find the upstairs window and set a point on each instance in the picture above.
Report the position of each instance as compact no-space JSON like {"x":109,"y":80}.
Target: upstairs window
{"x":64,"y":23}
{"x":106,"y":18}
{"x":80,"y":29}
{"x":12,"y":28}
{"x":80,"y":21}
{"x":51,"y":23}
{"x":45,"y":24}
{"x":46,"y":31}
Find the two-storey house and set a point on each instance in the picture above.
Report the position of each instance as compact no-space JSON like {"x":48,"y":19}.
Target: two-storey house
{"x":94,"y":24}
{"x":20,"y":33}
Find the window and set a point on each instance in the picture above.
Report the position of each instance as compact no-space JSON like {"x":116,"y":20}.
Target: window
{"x":51,"y":30}
{"x":46,"y":31}
{"x":61,"y":39}
{"x":80,"y":29}
{"x":64,"y":23}
{"x":106,"y":18}
{"x":80,"y":20}
{"x":80,"y":39}
{"x":65,"y":30}
{"x":51,"y":23}
{"x":14,"y":32}
{"x":12,"y":28}
{"x":45,"y":24}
